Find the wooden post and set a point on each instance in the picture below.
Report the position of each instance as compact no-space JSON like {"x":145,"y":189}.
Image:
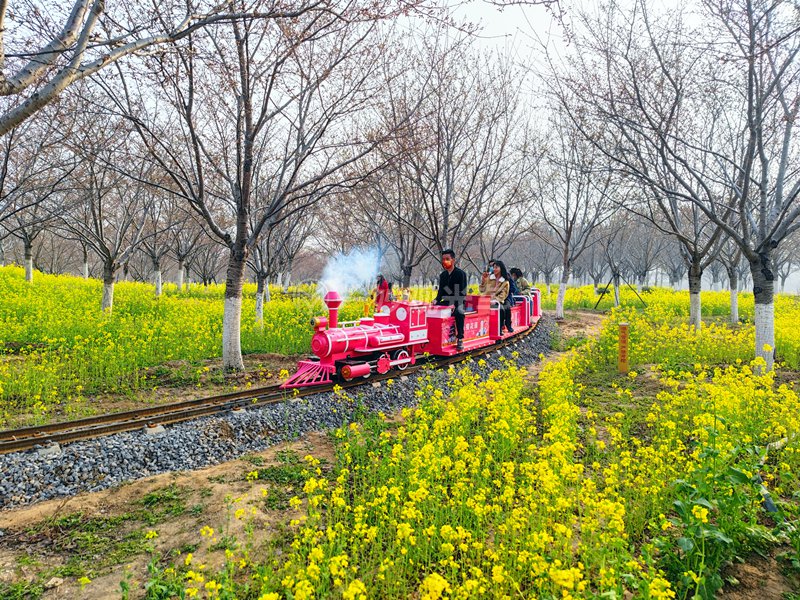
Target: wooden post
{"x":623,"y":359}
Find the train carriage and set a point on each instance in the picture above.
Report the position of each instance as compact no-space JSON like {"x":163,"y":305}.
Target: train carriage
{"x":402,"y":330}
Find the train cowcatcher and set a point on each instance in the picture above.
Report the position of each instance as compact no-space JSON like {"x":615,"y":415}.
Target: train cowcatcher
{"x":401,"y":332}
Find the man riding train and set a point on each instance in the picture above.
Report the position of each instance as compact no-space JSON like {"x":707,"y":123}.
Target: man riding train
{"x":453,"y":292}
{"x":496,"y":282}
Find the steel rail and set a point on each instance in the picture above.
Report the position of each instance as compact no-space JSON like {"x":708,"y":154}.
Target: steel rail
{"x":16,"y":440}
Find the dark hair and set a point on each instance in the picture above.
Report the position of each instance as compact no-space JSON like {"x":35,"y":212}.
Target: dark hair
{"x":390,"y":285}
{"x":450,"y":252}
{"x":380,"y":278}
{"x":503,"y":271}
{"x":515,"y":271}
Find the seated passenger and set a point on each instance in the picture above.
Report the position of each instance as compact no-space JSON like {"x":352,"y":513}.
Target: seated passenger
{"x":381,"y":293}
{"x":523,"y":286}
{"x":498,"y":288}
{"x":452,"y":292}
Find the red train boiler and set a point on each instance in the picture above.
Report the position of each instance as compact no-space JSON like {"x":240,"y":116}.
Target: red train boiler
{"x":394,"y":337}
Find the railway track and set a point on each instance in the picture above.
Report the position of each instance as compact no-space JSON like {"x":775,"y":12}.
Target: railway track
{"x":17,"y":440}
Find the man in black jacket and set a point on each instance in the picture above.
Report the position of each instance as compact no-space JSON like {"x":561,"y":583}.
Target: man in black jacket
{"x":452,"y":292}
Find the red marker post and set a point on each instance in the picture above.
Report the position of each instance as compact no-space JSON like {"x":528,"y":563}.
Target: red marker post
{"x":623,"y":363}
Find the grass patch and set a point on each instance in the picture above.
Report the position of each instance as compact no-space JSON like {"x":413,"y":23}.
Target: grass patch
{"x":90,"y":545}
{"x":559,"y":342}
{"x":21,"y":590}
{"x":615,"y":396}
{"x":163,"y":503}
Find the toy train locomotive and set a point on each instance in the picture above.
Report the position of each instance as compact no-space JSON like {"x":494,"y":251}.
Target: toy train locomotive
{"x":395,"y":336}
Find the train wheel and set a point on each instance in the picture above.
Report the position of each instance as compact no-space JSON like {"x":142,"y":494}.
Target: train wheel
{"x":401,"y":354}
{"x":384,"y":363}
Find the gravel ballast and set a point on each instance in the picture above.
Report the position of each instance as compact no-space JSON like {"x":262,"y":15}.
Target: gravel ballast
{"x":93,"y":465}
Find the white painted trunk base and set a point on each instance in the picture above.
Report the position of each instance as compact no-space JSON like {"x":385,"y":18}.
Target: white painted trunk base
{"x":108,"y":297}
{"x":180,"y":279}
{"x":267,"y":295}
{"x":260,"y":307}
{"x":86,"y":270}
{"x":765,"y":332}
{"x":29,"y":269}
{"x":562,"y":292}
{"x":734,"y":306}
{"x":158,"y":283}
{"x":695,"y":312}
{"x":231,"y":335}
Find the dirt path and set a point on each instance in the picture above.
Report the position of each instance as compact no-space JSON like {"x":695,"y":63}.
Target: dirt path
{"x":576,"y":327}
{"x":581,"y":322}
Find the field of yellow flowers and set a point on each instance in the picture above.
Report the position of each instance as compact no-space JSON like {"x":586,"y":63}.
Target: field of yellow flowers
{"x":583,"y":484}
{"x":56,"y":346}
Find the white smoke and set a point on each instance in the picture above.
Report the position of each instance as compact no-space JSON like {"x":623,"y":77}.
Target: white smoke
{"x":347,"y":272}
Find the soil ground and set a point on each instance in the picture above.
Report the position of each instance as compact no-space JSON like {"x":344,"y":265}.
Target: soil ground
{"x":39,"y":549}
{"x":760,"y":578}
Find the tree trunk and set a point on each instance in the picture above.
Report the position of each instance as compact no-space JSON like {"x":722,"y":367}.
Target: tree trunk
{"x":2,"y":255}
{"x":181,"y":274}
{"x":616,"y":288}
{"x":28,"y":262}
{"x":260,"y":299}
{"x":157,"y":277}
{"x":733,"y":284}
{"x":232,"y":315}
{"x":562,"y":292}
{"x":108,"y":287}
{"x":85,"y":263}
{"x":695,"y":286}
{"x":287,"y":280}
{"x":764,"y":294}
{"x":406,"y":280}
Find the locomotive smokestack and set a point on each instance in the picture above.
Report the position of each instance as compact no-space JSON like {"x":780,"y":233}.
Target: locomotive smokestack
{"x":333,"y":301}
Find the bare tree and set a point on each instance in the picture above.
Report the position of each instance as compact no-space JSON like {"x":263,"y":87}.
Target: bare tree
{"x":108,"y":213}
{"x":615,"y":245}
{"x":645,"y":248}
{"x":257,"y":101}
{"x":593,"y":262}
{"x":33,"y":178}
{"x":276,"y":251}
{"x":786,"y":258}
{"x":706,"y":117}
{"x":572,"y":197}
{"x":207,"y":261}
{"x":43,"y":52}
{"x":730,"y":256}
{"x":464,"y":159}
{"x":545,"y":255}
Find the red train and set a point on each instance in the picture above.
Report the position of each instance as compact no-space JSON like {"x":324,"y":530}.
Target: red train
{"x":394,"y":337}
